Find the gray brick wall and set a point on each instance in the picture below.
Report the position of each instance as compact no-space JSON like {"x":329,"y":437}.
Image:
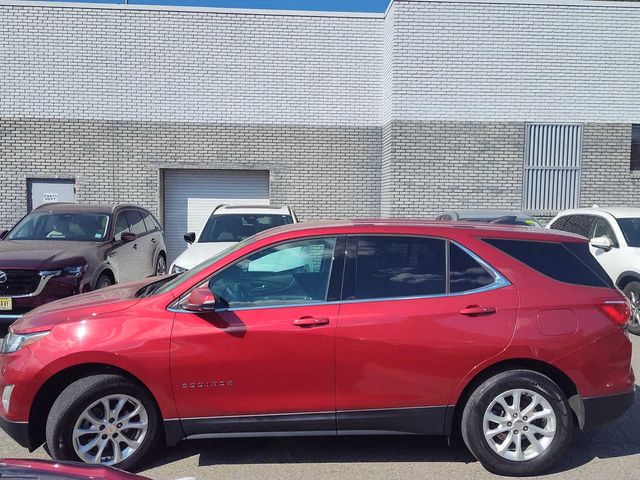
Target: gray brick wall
{"x":324,"y":172}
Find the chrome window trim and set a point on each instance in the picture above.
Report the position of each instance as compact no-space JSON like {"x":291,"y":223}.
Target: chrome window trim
{"x":499,"y":281}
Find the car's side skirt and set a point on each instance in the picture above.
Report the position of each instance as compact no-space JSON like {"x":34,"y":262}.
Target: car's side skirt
{"x":390,"y":421}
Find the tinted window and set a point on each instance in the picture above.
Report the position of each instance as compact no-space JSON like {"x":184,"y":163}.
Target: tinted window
{"x":290,"y":273}
{"x":580,"y":224}
{"x":136,"y":223}
{"x":602,"y":228}
{"x":564,"y":262}
{"x":631,"y":230}
{"x":121,"y":226}
{"x":581,"y":251}
{"x":399,"y":267}
{"x":465,"y":273}
{"x":559,"y":223}
{"x":237,"y":227}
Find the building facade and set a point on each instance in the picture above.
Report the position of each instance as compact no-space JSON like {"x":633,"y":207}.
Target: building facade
{"x":433,"y":105}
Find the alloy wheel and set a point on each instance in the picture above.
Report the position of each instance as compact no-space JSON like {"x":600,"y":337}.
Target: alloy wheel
{"x":161,"y":266}
{"x":110,"y":430}
{"x":519,"y":425}
{"x":634,"y":299}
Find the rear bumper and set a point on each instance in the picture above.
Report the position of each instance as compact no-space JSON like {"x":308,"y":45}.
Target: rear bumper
{"x":19,"y":431}
{"x":601,"y":410}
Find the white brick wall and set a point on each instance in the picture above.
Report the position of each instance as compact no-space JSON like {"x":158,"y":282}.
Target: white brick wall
{"x":513,"y":61}
{"x":127,"y":64}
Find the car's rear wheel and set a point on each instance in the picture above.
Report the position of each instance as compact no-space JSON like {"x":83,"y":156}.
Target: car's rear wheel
{"x":517,"y":423}
{"x":103,"y":281}
{"x":103,"y":419}
{"x":632,"y":291}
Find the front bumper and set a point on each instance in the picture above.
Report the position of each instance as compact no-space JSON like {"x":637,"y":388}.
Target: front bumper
{"x":601,"y":410}
{"x":19,"y":431}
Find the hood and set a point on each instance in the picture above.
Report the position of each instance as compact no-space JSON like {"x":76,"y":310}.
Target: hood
{"x":42,"y":254}
{"x":199,"y":252}
{"x":84,"y":306}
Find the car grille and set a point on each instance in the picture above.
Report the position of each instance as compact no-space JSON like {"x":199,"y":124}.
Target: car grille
{"x":19,"y":282}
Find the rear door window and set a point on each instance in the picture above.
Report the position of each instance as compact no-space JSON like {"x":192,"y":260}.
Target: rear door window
{"x":569,"y":262}
{"x":136,"y":223}
{"x":389,"y":266}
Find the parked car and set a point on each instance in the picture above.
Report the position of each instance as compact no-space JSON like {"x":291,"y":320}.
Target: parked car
{"x":227,"y":225}
{"x":47,"y":470}
{"x":614,"y":235}
{"x":503,"y":217}
{"x":512,"y":336}
{"x":63,"y":249}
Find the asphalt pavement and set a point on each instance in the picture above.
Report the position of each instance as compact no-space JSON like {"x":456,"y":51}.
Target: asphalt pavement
{"x":610,"y":452}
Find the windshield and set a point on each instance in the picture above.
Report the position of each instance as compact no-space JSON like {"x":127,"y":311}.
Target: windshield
{"x":237,"y":227}
{"x":183,"y":277}
{"x":631,"y":230}
{"x":82,"y":227}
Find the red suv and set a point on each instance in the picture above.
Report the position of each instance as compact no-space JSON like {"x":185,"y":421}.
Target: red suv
{"x":512,"y":336}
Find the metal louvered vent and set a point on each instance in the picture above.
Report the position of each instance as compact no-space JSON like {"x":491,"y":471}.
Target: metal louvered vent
{"x":552,"y":167}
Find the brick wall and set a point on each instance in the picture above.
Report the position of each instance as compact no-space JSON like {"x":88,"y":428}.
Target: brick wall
{"x":318,"y":170}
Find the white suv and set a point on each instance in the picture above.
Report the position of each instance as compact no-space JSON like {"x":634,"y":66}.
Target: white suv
{"x":227,"y":225}
{"x":614,"y":235}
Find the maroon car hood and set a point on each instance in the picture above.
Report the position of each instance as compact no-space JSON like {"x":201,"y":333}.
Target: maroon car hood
{"x":42,"y":254}
{"x":106,"y":300}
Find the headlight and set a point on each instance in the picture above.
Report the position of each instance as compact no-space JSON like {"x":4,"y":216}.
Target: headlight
{"x":13,"y":342}
{"x":177,"y":269}
{"x":76,"y":271}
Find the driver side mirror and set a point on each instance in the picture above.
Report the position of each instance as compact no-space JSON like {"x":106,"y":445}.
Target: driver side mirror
{"x":603,"y":243}
{"x":200,"y":300}
{"x":3,"y":234}
{"x":190,"y":237}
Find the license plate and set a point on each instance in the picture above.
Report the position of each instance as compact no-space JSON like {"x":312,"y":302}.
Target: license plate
{"x":6,"y":303}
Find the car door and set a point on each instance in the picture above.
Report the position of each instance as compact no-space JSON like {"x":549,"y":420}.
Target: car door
{"x":264,"y":360}
{"x":121,"y":254}
{"x":612,"y":260}
{"x":408,"y":332}
{"x":143,"y":249}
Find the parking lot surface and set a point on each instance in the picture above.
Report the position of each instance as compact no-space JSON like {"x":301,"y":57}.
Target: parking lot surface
{"x":606,"y":453}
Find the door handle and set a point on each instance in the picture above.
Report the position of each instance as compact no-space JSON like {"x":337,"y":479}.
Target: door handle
{"x":475,"y":310}
{"x":310,"y":321}
{"x":135,"y":246}
{"x":153,"y":240}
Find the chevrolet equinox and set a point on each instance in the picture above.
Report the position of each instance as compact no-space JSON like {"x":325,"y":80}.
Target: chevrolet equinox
{"x":512,"y":336}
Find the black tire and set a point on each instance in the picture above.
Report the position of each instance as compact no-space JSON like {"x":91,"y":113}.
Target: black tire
{"x":161,"y":265}
{"x":483,"y":397}
{"x":631,"y":289}
{"x":103,"y":281}
{"x":78,"y":396}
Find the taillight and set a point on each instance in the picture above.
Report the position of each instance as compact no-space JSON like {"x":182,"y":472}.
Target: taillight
{"x":618,"y":311}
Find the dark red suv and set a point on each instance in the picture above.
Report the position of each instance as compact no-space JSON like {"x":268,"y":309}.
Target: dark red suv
{"x":63,"y":249}
{"x":512,"y":336}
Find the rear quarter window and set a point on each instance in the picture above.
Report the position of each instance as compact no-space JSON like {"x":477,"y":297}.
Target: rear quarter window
{"x":568,"y":262}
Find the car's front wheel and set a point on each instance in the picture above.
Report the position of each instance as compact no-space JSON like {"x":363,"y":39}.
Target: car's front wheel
{"x":103,"y":419}
{"x":632,"y":292}
{"x":517,"y":423}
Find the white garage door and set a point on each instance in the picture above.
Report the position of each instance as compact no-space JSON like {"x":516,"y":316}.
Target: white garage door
{"x":191,"y":195}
